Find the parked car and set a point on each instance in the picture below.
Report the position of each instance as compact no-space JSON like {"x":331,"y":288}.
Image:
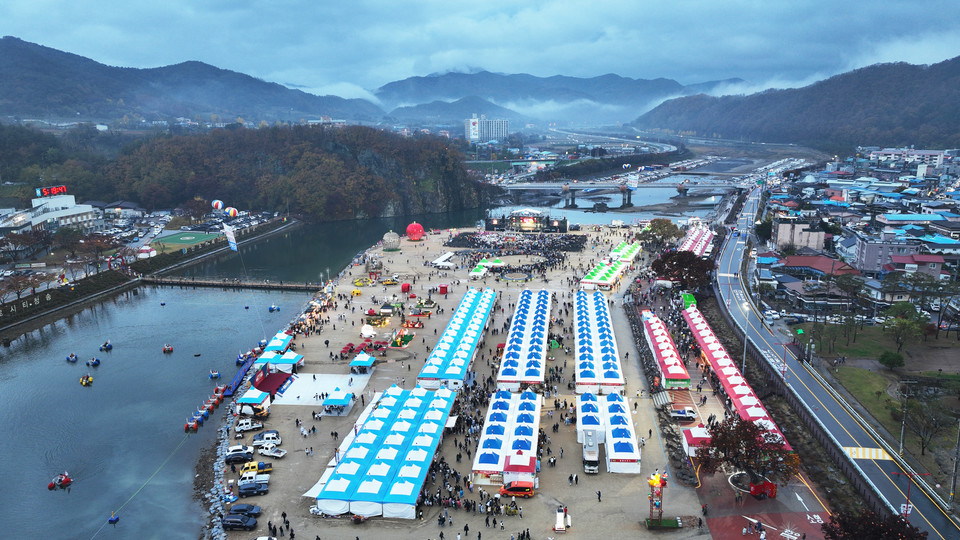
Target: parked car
{"x":252,"y":488}
{"x":271,"y":450}
{"x":685,"y":414}
{"x":238,"y":458}
{"x":245,"y":509}
{"x":240,"y":448}
{"x":239,"y":521}
{"x":269,"y":436}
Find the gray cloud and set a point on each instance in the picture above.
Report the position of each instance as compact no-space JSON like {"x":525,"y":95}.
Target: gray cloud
{"x":352,"y":46}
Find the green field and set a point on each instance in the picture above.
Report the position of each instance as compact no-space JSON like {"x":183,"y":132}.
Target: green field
{"x":183,"y":239}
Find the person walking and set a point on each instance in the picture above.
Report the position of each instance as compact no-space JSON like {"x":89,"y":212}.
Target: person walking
{"x":598,"y":497}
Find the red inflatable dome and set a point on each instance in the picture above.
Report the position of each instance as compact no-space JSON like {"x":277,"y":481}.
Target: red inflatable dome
{"x":415,"y":232}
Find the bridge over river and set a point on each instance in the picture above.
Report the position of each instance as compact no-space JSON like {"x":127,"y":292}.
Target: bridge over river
{"x":569,"y":190}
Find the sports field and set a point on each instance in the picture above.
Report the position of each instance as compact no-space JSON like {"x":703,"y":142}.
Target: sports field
{"x":183,"y":239}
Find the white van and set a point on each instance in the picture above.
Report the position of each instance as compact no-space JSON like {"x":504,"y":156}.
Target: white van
{"x":252,"y":476}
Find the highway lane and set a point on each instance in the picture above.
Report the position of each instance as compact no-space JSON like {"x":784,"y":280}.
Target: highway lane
{"x":868,"y":453}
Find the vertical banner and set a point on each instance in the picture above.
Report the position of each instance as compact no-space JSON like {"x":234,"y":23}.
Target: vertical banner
{"x":231,"y":238}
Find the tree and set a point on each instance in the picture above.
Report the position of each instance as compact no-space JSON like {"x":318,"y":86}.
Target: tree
{"x":905,"y":323}
{"x":927,"y":421}
{"x":67,"y":238}
{"x":21,"y":284}
{"x":661,"y":230}
{"x":867,"y":524}
{"x":750,"y":447}
{"x":684,"y":267}
{"x":196,"y":208}
{"x":891,"y":359}
{"x":764,"y":230}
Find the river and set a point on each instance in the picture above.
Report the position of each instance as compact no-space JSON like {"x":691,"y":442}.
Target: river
{"x":122,"y":438}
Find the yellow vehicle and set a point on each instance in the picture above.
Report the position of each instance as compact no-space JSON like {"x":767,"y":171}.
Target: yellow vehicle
{"x":389,"y":281}
{"x":356,"y":292}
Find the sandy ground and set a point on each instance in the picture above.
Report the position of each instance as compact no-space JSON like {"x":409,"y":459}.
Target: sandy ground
{"x":624,"y":497}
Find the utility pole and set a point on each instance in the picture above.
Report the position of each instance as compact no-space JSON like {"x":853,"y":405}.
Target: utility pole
{"x":903,"y":420}
{"x":956,"y":463}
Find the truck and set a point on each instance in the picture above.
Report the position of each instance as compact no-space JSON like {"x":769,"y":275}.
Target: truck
{"x":591,"y":452}
{"x":256,"y":467}
{"x":247,"y":424}
{"x":252,"y":477}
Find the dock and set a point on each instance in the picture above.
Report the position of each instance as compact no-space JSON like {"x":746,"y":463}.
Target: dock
{"x":226,"y":283}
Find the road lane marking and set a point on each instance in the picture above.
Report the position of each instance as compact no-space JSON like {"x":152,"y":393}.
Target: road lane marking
{"x":859,"y":452}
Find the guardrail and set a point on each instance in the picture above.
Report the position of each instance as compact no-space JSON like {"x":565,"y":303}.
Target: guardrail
{"x":930,"y":491}
{"x":867,"y":489}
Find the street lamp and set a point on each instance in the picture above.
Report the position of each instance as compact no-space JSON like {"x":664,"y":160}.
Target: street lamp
{"x":743,"y":365}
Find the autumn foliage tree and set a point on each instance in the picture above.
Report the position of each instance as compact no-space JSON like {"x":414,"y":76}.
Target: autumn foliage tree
{"x":867,"y":524}
{"x":689,"y":270}
{"x":748,"y":447}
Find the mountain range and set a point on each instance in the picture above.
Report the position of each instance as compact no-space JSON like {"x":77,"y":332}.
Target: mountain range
{"x":41,"y":82}
{"x":895,"y":104}
{"x":885,"y":104}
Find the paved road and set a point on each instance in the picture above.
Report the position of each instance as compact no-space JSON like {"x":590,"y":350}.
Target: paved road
{"x":847,"y":430}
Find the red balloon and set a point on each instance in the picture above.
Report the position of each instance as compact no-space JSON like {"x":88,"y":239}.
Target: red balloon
{"x":415,"y":232}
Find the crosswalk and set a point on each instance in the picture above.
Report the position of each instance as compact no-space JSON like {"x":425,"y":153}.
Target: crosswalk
{"x":858,"y":452}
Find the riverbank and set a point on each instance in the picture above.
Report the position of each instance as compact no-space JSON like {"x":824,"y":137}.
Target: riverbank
{"x":308,"y":455}
{"x":44,"y":307}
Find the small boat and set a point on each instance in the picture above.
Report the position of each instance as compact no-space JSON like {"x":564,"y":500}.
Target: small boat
{"x":163,"y":303}
{"x":93,"y":362}
{"x":107,"y":346}
{"x":167,"y":349}
{"x":196,"y":355}
{"x":214,"y":374}
{"x":62,"y":480}
{"x":273,"y":307}
{"x":72,"y":358}
{"x":86,"y":380}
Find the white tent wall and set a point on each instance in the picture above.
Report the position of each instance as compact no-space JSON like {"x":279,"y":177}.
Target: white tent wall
{"x":333,"y":507}
{"x":399,"y":511}
{"x":366,"y":508}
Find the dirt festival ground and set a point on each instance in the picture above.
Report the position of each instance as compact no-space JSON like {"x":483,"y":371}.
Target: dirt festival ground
{"x":622,"y":506}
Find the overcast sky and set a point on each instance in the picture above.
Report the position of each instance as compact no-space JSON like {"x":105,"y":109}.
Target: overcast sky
{"x":348,"y":47}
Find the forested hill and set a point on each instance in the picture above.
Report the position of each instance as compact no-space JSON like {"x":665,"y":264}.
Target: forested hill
{"x":321,"y":173}
{"x":329,"y":174}
{"x":885,"y":104}
{"x":38,"y":81}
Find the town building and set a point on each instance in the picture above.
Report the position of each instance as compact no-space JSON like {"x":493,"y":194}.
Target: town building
{"x":481,"y":130}
{"x":872,"y":252}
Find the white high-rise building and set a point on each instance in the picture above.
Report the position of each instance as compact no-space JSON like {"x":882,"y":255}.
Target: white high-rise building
{"x":483,"y":130}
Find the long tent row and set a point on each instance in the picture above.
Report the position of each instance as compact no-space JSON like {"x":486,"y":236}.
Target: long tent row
{"x":450,"y":359}
{"x":603,"y":276}
{"x":525,"y":351}
{"x":511,"y":428}
{"x":383,"y":469}
{"x":622,"y":450}
{"x":625,"y":252}
{"x":673,"y":374}
{"x":699,"y":241}
{"x":598,"y":361}
{"x":741,"y":395}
